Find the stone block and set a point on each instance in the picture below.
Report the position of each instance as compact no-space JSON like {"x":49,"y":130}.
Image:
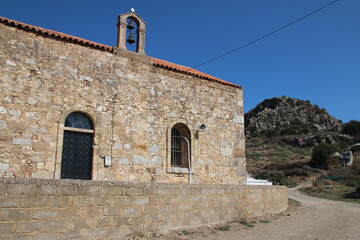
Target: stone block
{"x":9,"y":201}
{"x":123,"y":201}
{"x":93,"y":212}
{"x":72,"y":234}
{"x":20,"y":189}
{"x":33,"y":226}
{"x":84,"y":201}
{"x":71,"y":213}
{"x":171,"y":200}
{"x":103,"y":222}
{"x":115,"y":191}
{"x":162,"y":191}
{"x":163,"y":226}
{"x":162,"y":208}
{"x":139,"y":220}
{"x":96,"y":191}
{"x":16,"y":237}
{"x":149,"y":209}
{"x":48,"y":190}
{"x":55,"y":225}
{"x":77,"y":224}
{"x":114,"y":211}
{"x":196,"y":191}
{"x":22,"y":141}
{"x":116,"y":233}
{"x":173,"y":208}
{"x":133,"y":191}
{"x":74,"y":190}
{"x":7,"y":228}
{"x":123,"y":221}
{"x":205,"y":191}
{"x":95,"y":233}
{"x":132,"y":211}
{"x":151,"y":191}
{"x":8,"y":214}
{"x":186,"y":191}
{"x":103,"y":201}
{"x":4,"y":166}
{"x":140,"y":160}
{"x":142,"y":200}
{"x":60,"y":201}
{"x":41,"y":146}
{"x":44,"y":214}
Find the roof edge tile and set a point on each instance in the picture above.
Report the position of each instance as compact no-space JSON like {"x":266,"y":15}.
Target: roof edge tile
{"x":190,"y":71}
{"x":54,"y":34}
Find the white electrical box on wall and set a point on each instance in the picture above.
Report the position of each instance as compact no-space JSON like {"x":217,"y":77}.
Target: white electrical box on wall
{"x":107,"y":160}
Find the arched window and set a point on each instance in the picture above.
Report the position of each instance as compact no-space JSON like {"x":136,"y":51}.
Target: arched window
{"x":180,"y":146}
{"x":76,"y":162}
{"x":78,"y":120}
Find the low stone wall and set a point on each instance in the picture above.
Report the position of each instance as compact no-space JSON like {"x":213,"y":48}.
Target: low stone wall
{"x":74,"y":209}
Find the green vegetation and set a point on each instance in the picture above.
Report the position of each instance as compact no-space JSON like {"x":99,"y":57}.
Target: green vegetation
{"x":353,"y":129}
{"x":224,"y":228}
{"x":185,"y":232}
{"x":294,"y":202}
{"x":246,"y":224}
{"x":321,"y":154}
{"x":265,"y":221}
{"x":255,"y":155}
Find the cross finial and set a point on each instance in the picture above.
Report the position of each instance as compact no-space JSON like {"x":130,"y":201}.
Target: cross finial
{"x":133,"y":9}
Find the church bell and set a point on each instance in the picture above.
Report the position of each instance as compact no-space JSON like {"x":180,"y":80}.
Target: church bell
{"x":130,"y":26}
{"x":130,"y":39}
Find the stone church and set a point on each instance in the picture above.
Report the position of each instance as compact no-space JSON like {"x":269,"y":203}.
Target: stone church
{"x":71,"y":108}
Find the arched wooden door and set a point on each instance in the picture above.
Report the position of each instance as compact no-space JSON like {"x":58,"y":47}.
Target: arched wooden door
{"x":76,"y":162}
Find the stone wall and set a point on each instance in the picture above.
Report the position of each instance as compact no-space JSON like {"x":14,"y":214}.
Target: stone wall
{"x":133,"y":105}
{"x":74,"y":209}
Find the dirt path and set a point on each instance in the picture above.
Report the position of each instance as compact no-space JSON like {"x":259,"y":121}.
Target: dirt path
{"x":314,"y":219}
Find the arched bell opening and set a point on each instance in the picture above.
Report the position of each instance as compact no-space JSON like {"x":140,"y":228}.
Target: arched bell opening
{"x":132,"y":34}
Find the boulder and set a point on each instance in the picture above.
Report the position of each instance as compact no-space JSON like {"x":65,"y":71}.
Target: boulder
{"x":298,"y":142}
{"x":329,"y":139}
{"x":318,"y":127}
{"x":355,"y":147}
{"x":347,"y":159}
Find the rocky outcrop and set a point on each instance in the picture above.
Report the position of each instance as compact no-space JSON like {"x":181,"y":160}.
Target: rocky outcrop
{"x":346,"y":158}
{"x":280,"y":113}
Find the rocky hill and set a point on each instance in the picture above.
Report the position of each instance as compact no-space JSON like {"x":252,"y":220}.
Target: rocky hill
{"x":281,"y":134}
{"x":288,"y":116}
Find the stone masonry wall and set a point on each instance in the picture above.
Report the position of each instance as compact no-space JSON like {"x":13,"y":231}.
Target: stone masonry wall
{"x":74,"y":209}
{"x":132,"y":104}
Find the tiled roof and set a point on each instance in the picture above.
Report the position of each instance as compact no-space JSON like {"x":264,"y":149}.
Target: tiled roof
{"x":55,"y":34}
{"x":76,"y":40}
{"x":190,"y":71}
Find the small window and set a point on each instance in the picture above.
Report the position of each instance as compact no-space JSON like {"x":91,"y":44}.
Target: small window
{"x":180,"y":146}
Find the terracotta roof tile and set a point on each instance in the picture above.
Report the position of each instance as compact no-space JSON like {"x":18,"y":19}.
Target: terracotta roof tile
{"x":55,"y":34}
{"x":190,"y":71}
{"x":84,"y":42}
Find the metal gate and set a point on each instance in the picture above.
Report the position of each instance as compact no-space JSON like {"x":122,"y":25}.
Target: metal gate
{"x":76,"y":155}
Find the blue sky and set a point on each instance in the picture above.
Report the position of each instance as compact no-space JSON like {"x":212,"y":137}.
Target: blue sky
{"x":317,"y":59}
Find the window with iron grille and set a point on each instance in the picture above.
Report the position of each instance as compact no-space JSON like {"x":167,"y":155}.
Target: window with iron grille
{"x":179,"y":146}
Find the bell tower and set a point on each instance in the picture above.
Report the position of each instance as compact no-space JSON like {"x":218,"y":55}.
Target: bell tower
{"x":134,"y":25}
